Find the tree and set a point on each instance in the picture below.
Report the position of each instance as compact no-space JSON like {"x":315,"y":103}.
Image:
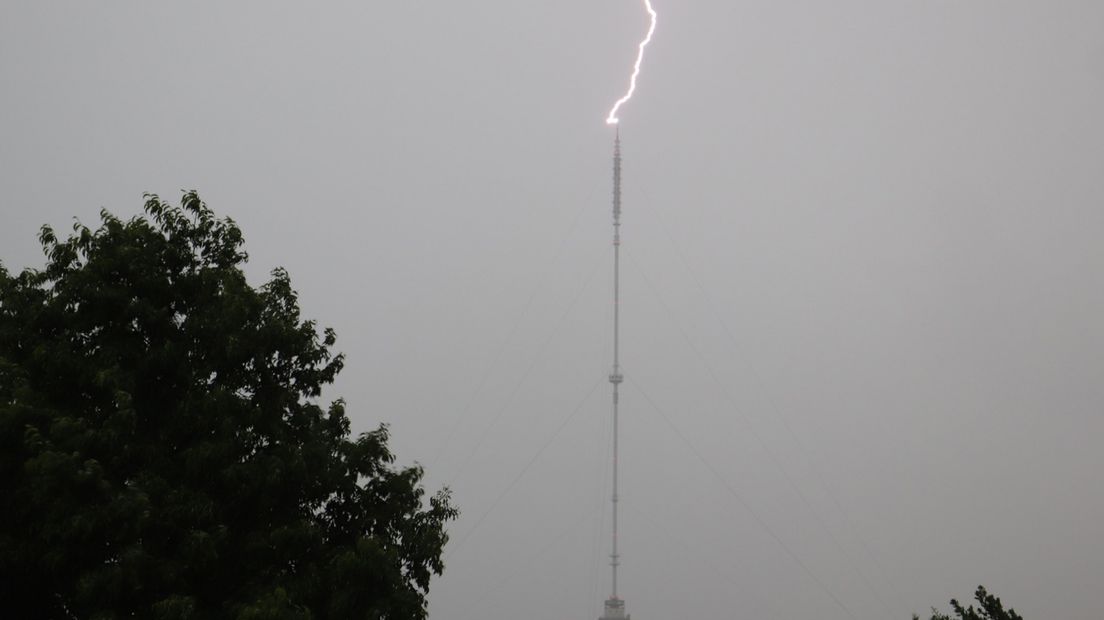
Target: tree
{"x":162,"y":453}
{"x":989,"y":608}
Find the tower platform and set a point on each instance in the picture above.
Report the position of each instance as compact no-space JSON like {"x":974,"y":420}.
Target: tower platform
{"x":615,"y":610}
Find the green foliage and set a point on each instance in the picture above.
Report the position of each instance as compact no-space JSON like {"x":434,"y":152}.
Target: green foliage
{"x":161,"y":453}
{"x":989,"y":608}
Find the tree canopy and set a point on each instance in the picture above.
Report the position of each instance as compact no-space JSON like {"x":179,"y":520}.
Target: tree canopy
{"x":162,"y":450}
{"x":989,"y":608}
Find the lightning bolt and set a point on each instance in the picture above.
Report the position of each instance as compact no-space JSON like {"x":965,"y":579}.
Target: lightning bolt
{"x":612,"y":119}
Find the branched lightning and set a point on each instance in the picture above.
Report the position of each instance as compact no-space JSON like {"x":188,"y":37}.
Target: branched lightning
{"x":612,"y":119}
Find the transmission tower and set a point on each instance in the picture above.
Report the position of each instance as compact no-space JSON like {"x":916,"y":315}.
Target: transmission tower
{"x":615,"y":605}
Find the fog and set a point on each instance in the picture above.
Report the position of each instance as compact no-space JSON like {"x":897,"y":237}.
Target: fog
{"x":861,"y":277}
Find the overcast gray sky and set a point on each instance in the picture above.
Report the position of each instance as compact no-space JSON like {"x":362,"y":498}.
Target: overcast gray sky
{"x":862,"y":277}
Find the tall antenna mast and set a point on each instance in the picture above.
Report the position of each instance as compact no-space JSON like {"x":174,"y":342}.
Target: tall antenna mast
{"x":615,"y":606}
